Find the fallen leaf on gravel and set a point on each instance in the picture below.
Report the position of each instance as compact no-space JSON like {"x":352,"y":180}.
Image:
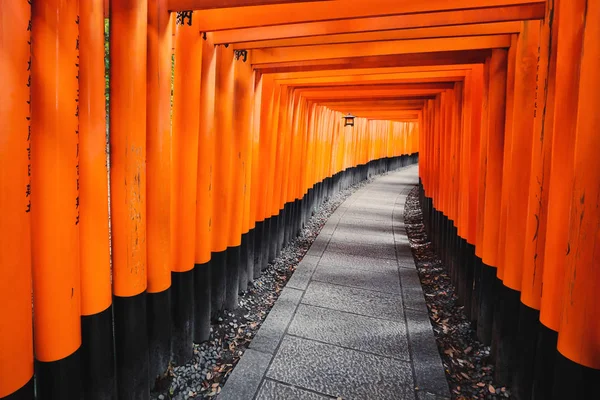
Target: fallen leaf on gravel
{"x":492,"y":390}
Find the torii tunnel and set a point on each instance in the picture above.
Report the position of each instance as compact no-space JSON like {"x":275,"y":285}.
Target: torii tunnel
{"x":138,"y":199}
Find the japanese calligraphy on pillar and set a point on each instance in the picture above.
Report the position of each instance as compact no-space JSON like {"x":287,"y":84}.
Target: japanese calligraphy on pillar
{"x":537,"y":83}
{"x":77,"y":125}
{"x":28,"y":187}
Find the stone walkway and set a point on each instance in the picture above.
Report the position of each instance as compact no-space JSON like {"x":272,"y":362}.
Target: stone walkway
{"x":352,"y":321}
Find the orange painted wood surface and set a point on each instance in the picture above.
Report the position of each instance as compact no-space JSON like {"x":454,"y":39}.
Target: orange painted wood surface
{"x":16,"y":334}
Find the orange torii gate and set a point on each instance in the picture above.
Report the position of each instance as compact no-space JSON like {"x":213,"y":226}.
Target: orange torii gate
{"x":509,"y":175}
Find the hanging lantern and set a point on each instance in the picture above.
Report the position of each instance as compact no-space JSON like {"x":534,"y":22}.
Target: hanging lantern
{"x":348,"y":119}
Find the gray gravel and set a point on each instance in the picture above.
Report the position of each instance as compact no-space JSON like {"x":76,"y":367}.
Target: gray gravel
{"x":213,"y":361}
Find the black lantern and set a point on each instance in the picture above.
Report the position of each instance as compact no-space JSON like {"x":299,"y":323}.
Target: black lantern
{"x":348,"y":119}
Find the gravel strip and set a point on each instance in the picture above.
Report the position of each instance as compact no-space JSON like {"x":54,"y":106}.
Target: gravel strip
{"x":214,"y":360}
{"x":466,"y":360}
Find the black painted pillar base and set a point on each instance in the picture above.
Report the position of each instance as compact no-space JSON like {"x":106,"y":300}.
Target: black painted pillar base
{"x":273,"y":237}
{"x":202,"y":301}
{"x":258,"y":247}
{"x":574,"y":381}
{"x":527,"y":336}
{"x":98,"y":356}
{"x":60,"y":379}
{"x":307,"y":206}
{"x":298,"y":220}
{"x":131,"y":347}
{"x":266,"y":240}
{"x":232,"y":279}
{"x":182,"y":316}
{"x":545,"y":359}
{"x":280,"y":231}
{"x":287,"y":223}
{"x":468,"y":252}
{"x":25,"y":392}
{"x":476,"y":293}
{"x":250,"y":256}
{"x":487,"y":298}
{"x":504,"y":332}
{"x":243,"y":266}
{"x":158,"y":314}
{"x":218,"y":283}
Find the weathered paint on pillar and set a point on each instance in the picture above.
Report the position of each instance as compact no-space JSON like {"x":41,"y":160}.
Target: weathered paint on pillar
{"x":128,"y":55}
{"x":16,"y":342}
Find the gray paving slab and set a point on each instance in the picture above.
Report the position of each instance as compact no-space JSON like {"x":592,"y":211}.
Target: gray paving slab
{"x":421,"y":395}
{"x":358,"y":332}
{"x":359,"y":237}
{"x":399,"y":225}
{"x":367,"y":223}
{"x":302,"y":275}
{"x":371,"y":201}
{"x":372,"y":206}
{"x":270,"y":333}
{"x":337,"y":371}
{"x":272,"y":390}
{"x":412,"y":292}
{"x":245,"y":379}
{"x":403,"y":248}
{"x":363,"y":249}
{"x":380,"y":282}
{"x":352,"y":321}
{"x":427,"y":364}
{"x":354,"y":300}
{"x":310,"y":259}
{"x":406,"y":261}
{"x":367,"y":228}
{"x":318,"y":246}
{"x":370,"y":214}
{"x":327,"y":229}
{"x":382,"y":265}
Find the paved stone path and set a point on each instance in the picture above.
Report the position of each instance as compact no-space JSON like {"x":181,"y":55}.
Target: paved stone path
{"x":352,"y":321}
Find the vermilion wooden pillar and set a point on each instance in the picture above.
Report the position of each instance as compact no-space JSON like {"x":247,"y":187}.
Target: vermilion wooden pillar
{"x":578,"y":363}
{"x":506,"y":312}
{"x":222,"y":201}
{"x":256,"y":221}
{"x":236,"y":267}
{"x":204,"y":196}
{"x":128,"y":55}
{"x":159,"y":177}
{"x":242,"y":126}
{"x":97,"y":355}
{"x":186,"y":119}
{"x":536,"y":228}
{"x":570,"y":16}
{"x":55,"y":198}
{"x":16,"y":342}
